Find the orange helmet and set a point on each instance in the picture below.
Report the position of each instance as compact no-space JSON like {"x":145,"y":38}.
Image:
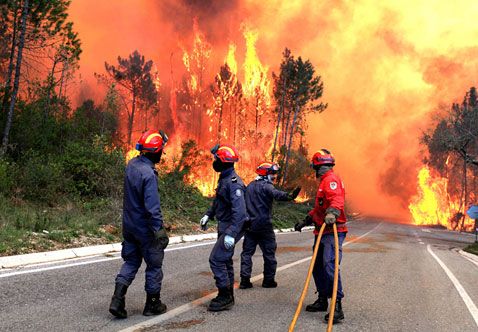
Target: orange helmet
{"x":267,"y":168}
{"x":322,"y":157}
{"x":225,"y":153}
{"x":152,"y":141}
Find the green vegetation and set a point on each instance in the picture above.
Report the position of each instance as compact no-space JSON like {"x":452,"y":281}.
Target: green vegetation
{"x":62,"y":165}
{"x":472,"y":248}
{"x":27,"y":227}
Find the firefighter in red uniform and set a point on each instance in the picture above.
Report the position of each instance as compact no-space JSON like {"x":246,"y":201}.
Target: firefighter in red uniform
{"x":328,"y":208}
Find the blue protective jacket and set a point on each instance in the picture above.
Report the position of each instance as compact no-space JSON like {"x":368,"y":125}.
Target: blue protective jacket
{"x":260,"y":194}
{"x":141,"y":205}
{"x":229,"y":206}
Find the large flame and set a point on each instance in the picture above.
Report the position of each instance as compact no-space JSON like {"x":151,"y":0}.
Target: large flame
{"x":433,"y":205}
{"x":256,"y":82}
{"x":386,"y":67}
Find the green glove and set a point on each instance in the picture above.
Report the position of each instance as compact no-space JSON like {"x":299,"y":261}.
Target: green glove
{"x":301,"y":224}
{"x":161,"y":238}
{"x":293,"y":195}
{"x":298,"y":226}
{"x":330,"y":218}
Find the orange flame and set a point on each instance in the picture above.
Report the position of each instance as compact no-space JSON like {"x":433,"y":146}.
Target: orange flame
{"x":231,"y":58}
{"x":255,"y":74}
{"x":433,"y":205}
{"x":195,"y":62}
{"x":303,"y":197}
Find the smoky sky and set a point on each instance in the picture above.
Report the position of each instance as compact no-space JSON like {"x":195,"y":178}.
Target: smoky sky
{"x":217,"y":18}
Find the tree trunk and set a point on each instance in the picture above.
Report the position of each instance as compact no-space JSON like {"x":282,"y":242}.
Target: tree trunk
{"x":286,"y":131}
{"x":8,"y":82}
{"x":235,"y":123}
{"x":465,"y":194}
{"x":257,"y":112}
{"x":131,"y":119}
{"x":279,"y":115}
{"x":18,"y":66}
{"x":51,"y":86}
{"x":220,"y":123}
{"x":296,"y":113}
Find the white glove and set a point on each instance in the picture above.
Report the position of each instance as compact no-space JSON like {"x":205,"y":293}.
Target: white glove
{"x":228,"y":241}
{"x":203,"y":222}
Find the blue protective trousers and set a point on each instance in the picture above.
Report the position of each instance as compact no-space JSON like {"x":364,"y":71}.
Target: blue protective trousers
{"x":325,"y":265}
{"x":135,"y":249}
{"x":221,"y":263}
{"x":267,"y":242}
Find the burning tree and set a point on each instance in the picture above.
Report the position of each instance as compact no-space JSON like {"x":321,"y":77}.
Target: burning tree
{"x":451,"y":145}
{"x":256,"y":83}
{"x":227,"y":91}
{"x":136,"y":84}
{"x":296,"y":91}
{"x":193,"y":93}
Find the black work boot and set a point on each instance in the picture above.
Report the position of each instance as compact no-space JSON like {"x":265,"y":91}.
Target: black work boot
{"x":223,"y":301}
{"x":117,"y":305}
{"x":153,"y":305}
{"x":338,"y":313}
{"x":245,"y":283}
{"x":231,"y":292}
{"x":269,"y":283}
{"x":320,"y":304}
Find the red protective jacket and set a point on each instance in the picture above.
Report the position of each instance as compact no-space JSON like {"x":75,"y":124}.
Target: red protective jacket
{"x":331,"y":193}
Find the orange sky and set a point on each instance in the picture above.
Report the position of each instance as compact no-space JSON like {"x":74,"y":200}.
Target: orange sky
{"x":386,"y":67}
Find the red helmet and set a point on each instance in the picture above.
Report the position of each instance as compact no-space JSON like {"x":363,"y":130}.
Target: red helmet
{"x":267,"y":168}
{"x":152,"y":141}
{"x":323,"y":157}
{"x":225,"y":153}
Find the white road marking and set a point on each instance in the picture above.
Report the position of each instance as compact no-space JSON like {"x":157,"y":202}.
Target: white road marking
{"x":472,"y":258}
{"x":421,"y":242}
{"x":464,"y":295}
{"x":193,"y":304}
{"x":426,"y":230}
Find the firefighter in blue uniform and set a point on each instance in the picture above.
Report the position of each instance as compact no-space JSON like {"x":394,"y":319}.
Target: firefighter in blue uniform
{"x":143,"y":230}
{"x":260,"y":194}
{"x":229,"y":208}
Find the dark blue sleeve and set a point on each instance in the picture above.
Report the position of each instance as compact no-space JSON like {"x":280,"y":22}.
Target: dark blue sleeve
{"x":211,"y":212}
{"x":151,"y":202}
{"x":278,"y":195}
{"x":238,"y":207}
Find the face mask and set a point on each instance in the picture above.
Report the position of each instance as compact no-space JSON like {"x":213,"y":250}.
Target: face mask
{"x":217,"y":165}
{"x":322,"y":170}
{"x":154,"y":157}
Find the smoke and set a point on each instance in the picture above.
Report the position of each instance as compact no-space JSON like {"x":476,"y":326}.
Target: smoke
{"x":219,"y":19}
{"x":386,"y":67}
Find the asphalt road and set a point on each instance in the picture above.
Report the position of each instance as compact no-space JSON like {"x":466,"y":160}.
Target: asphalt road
{"x":393,"y":281}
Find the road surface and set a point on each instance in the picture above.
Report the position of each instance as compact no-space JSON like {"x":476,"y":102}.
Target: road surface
{"x":396,"y":278}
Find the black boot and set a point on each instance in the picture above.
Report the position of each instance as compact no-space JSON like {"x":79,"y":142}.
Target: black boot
{"x":269,"y":283}
{"x":223,"y":301}
{"x":320,"y":304}
{"x":338,"y":313}
{"x":245,"y":283}
{"x":117,"y":305}
{"x":231,"y":292}
{"x":153,"y":305}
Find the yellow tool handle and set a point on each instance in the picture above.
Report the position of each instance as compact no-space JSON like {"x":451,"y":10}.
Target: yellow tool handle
{"x":336,"y":281}
{"x":307,"y":281}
